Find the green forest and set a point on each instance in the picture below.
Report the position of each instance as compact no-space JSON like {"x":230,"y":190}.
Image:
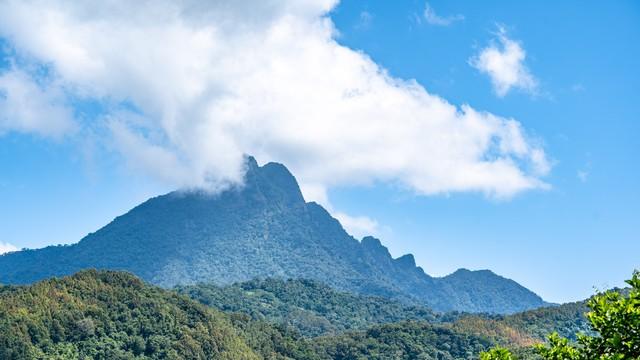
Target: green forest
{"x":115,"y":315}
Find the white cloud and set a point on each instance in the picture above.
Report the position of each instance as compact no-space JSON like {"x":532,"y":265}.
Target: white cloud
{"x":6,"y":247}
{"x":29,"y":107}
{"x":211,"y":81}
{"x":504,"y":64}
{"x":358,"y":226}
{"x":434,"y":19}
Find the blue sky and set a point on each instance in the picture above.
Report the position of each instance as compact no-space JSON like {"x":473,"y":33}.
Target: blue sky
{"x":581,"y":230}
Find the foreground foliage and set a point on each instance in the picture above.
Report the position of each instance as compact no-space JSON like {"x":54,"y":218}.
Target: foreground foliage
{"x":497,"y":353}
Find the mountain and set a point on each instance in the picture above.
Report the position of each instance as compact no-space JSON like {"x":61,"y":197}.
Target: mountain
{"x":475,"y":291}
{"x":263,"y":228}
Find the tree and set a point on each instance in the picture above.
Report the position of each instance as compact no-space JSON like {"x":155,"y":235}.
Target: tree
{"x":497,"y":353}
{"x":560,"y":349}
{"x":614,"y":315}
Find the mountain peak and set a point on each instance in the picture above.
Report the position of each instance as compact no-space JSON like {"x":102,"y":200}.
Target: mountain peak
{"x":275,"y":181}
{"x":250,"y":163}
{"x":407,"y":261}
{"x":467,"y":272}
{"x":370,"y":241}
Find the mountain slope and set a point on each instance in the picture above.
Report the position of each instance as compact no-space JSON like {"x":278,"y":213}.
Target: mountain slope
{"x":261,"y":229}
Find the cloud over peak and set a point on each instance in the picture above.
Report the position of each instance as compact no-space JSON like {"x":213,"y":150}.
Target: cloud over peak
{"x":210,"y":82}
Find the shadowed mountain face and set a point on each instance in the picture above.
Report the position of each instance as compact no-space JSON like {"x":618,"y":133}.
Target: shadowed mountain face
{"x":261,"y":229}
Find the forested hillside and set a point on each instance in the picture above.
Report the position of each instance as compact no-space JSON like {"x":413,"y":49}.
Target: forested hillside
{"x":111,"y":315}
{"x":529,"y":327}
{"x":114,"y":315}
{"x":306,"y":306}
{"x":312,"y":308}
{"x":405,"y":340}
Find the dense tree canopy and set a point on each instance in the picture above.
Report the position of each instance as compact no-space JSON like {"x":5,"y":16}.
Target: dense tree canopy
{"x":306,"y":306}
{"x":114,"y":315}
{"x":111,"y":315}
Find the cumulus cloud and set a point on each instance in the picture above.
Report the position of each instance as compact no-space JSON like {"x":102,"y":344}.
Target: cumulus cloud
{"x":29,"y":107}
{"x":434,"y":19}
{"x":207,"y":82}
{"x":503,"y":61}
{"x":6,"y":247}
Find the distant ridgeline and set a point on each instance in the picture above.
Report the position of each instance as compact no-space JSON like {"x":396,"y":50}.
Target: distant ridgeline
{"x":261,"y":229}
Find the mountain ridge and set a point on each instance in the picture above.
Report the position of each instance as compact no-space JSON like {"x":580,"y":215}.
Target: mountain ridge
{"x":263,"y":228}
